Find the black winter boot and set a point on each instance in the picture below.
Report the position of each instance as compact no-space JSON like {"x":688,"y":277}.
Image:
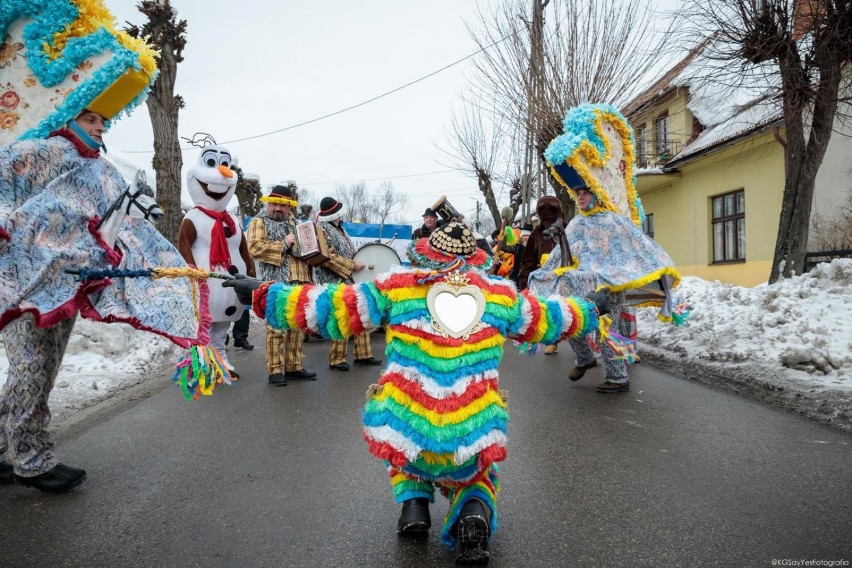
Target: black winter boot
{"x":61,"y":479}
{"x":415,"y":519}
{"x":472,"y":532}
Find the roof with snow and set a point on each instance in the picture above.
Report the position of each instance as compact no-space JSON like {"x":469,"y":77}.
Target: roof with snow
{"x":728,"y":112}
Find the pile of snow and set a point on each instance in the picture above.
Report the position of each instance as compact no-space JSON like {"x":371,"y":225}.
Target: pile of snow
{"x":798,"y":328}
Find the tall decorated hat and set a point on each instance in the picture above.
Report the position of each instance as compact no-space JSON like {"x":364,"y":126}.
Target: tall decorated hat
{"x":596,"y":151}
{"x":59,"y":57}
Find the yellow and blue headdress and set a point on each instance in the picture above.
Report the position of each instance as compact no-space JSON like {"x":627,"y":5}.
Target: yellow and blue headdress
{"x":596,"y":151}
{"x":59,"y":57}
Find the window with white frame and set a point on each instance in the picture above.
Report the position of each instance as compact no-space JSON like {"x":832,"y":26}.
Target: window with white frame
{"x":729,"y":226}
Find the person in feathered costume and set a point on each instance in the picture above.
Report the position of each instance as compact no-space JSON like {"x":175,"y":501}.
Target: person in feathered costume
{"x":212,"y":238}
{"x":55,"y":191}
{"x":594,"y":161}
{"x":436,"y":417}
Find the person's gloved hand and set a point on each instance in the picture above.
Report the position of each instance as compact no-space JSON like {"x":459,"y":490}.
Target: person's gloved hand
{"x":243,"y":286}
{"x":601,"y":300}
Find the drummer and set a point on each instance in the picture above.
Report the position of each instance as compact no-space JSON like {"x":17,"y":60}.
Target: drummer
{"x":337,"y":270}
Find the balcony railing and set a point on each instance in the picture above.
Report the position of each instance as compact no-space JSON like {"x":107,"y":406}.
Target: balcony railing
{"x":656,"y":153}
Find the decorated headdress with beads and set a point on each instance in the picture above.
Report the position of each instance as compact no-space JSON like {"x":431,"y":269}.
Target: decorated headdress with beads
{"x":60,"y":57}
{"x":596,"y":151}
{"x":450,"y":247}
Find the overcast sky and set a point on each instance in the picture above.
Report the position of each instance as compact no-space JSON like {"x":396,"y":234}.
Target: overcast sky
{"x":259,"y":65}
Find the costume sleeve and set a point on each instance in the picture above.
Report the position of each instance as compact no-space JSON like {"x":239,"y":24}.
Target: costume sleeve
{"x":550,"y":320}
{"x":335,"y":311}
{"x":187,"y":236}
{"x":338,"y":264}
{"x":261,"y":248}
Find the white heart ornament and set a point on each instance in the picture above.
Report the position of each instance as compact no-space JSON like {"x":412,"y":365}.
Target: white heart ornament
{"x":456,"y":312}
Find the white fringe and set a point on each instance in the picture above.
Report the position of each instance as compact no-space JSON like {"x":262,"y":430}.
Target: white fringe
{"x":387,"y":435}
{"x":464,"y":453}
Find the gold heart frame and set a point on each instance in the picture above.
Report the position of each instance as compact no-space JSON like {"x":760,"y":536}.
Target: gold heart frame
{"x":456,"y":311}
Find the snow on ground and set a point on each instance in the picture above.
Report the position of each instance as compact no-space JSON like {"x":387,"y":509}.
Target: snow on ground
{"x":789,"y":344}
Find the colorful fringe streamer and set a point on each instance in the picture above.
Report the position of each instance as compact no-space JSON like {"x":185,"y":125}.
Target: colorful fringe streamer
{"x":200,"y":371}
{"x":681,"y":311}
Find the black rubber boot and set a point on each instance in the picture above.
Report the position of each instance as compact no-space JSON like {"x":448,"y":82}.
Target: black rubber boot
{"x":7,"y":473}
{"x":415,"y":519}
{"x":61,"y":479}
{"x":472,"y":532}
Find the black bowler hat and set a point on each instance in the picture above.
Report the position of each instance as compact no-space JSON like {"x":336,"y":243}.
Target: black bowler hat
{"x":430,"y":213}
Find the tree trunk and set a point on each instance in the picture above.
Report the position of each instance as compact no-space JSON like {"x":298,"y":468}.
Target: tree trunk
{"x":803,"y":160}
{"x":163,"y":106}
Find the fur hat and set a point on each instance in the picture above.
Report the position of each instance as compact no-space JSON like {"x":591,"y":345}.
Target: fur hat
{"x":330,"y":210}
{"x":449,"y":245}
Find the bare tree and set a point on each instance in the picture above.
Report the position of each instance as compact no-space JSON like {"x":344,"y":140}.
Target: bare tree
{"x":365,"y":206}
{"x":248,"y":193}
{"x":168,"y":35}
{"x":542,"y":57}
{"x":794,"y":51}
{"x":388,"y":202}
{"x":833,"y":232}
{"x":476,"y":147}
{"x":356,"y":199}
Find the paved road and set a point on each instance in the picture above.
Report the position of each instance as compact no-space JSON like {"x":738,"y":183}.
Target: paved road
{"x":672,"y":474}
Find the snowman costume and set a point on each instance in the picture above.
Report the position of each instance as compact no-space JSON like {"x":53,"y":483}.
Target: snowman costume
{"x":211,"y":238}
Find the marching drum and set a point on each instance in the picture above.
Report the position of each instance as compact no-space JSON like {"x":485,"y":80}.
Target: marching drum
{"x":376,"y":258}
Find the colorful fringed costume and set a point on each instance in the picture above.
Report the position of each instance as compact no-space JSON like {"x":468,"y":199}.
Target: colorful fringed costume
{"x":436,"y":416}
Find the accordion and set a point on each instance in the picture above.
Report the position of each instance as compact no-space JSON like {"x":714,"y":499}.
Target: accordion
{"x":311,"y":247}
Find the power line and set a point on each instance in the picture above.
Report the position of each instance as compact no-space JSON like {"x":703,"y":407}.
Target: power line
{"x":352,"y":107}
{"x":378,"y":179}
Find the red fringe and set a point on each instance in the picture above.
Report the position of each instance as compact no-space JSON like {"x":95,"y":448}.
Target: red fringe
{"x":259,"y":300}
{"x":4,"y":235}
{"x":489,"y":455}
{"x":385,"y":451}
{"x":575,"y":322}
{"x":536,"y":316}
{"x":351,"y":301}
{"x":301,"y":304}
{"x":113,"y":256}
{"x":65,"y":311}
{"x":474,"y":391}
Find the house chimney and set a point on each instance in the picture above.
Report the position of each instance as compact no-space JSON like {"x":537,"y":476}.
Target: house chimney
{"x":805,"y":14}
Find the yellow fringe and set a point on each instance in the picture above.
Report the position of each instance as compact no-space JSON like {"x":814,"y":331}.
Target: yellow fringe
{"x":341,"y":312}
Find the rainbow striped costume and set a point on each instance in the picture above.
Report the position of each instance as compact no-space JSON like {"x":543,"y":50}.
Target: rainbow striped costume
{"x":436,"y":416}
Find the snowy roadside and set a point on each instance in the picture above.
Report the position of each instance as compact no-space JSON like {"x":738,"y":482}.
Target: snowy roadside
{"x":789,"y":344}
